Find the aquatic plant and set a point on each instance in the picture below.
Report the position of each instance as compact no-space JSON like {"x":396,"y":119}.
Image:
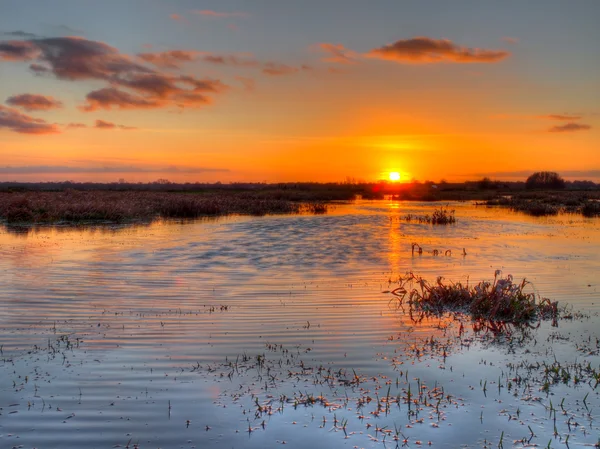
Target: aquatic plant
{"x":502,"y":300}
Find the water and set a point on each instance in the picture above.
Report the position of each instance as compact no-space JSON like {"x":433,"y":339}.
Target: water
{"x":149,"y":335}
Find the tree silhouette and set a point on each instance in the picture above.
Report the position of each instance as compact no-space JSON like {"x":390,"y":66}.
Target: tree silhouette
{"x":545,"y":180}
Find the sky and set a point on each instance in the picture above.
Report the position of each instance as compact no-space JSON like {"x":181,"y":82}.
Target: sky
{"x":284,"y":91}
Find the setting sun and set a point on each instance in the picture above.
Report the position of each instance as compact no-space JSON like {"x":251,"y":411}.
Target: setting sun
{"x":394,"y":176}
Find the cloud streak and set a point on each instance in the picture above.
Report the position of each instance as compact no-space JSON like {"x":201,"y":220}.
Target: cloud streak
{"x":570,"y":127}
{"x":18,"y":122}
{"x":34,"y":102}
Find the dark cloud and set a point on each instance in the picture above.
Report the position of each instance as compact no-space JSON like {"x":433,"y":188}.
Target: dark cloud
{"x":169,"y":59}
{"x":337,"y":53}
{"x":34,"y":102}
{"x":569,"y":127}
{"x":75,"y":58}
{"x":427,"y":50}
{"x":561,"y":116}
{"x":18,"y":50}
{"x":49,"y":169}
{"x":18,"y":122}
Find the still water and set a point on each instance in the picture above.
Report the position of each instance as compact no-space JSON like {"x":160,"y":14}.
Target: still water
{"x":260,"y":331}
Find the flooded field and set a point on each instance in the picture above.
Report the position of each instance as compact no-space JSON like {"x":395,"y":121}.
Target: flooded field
{"x":249,"y":332}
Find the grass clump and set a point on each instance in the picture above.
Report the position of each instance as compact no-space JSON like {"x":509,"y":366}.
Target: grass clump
{"x":502,"y":300}
{"x":441,"y":216}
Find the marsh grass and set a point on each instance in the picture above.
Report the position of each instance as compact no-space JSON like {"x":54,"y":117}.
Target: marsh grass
{"x":500,"y":301}
{"x":114,"y":206}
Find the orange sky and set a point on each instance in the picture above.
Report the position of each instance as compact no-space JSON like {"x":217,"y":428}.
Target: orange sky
{"x":232,"y":93}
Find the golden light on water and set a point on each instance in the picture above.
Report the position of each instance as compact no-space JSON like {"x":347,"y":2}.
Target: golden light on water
{"x":394,"y":176}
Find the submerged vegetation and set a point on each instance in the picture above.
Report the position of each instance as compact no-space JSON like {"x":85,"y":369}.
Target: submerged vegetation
{"x":500,"y":301}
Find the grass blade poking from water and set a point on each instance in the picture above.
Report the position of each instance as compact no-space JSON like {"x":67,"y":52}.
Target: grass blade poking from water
{"x":501,"y":301}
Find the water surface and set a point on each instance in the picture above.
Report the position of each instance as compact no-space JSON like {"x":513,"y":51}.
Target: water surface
{"x":128,"y":335}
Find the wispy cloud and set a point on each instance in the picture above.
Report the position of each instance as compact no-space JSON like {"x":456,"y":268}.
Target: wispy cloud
{"x":221,"y":14}
{"x":16,"y":121}
{"x":419,"y":50}
{"x":337,"y":53}
{"x":34,"y":102}
{"x":76,"y":125}
{"x":276,"y":69}
{"x":169,"y":59}
{"x":560,"y":116}
{"x":19,"y":33}
{"x":101,"y":124}
{"x":570,"y":127}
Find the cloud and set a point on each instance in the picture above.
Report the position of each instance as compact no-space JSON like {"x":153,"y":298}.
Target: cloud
{"x":130,"y":83}
{"x":154,"y":90}
{"x":119,"y":168}
{"x":276,"y":69}
{"x":110,"y":97}
{"x":101,"y":124}
{"x":221,"y":15}
{"x":337,"y":53}
{"x":76,"y":125}
{"x":561,"y":116}
{"x":426,"y":50}
{"x":18,"y":122}
{"x":169,"y":59}
{"x":18,"y":50}
{"x":34,"y":102}
{"x":569,"y":127}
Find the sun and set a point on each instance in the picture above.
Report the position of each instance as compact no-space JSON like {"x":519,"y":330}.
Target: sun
{"x":394,"y":176}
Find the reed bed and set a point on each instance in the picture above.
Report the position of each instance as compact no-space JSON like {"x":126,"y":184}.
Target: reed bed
{"x":113,"y":206}
{"x":502,"y":300}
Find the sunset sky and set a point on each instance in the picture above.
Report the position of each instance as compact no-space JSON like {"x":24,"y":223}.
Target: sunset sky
{"x":298,"y":90}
